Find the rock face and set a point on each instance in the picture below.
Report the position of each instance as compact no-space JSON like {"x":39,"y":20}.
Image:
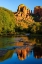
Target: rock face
{"x":25,"y":14}
{"x":38,"y":10}
{"x":22,"y":12}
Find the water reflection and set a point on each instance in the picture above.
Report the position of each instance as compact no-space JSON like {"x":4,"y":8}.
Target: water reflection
{"x":23,"y":53}
{"x":22,"y":47}
{"x":37,"y":51}
{"x":5,"y":54}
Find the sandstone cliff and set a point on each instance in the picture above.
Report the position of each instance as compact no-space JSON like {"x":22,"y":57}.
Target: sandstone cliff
{"x":22,"y":13}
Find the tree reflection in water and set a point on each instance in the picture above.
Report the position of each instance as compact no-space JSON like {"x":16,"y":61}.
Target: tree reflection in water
{"x":5,"y":54}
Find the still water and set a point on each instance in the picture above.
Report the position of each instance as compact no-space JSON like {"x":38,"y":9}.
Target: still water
{"x":21,"y":50}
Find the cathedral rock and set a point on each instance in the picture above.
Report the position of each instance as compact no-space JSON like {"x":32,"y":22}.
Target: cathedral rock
{"x":22,"y":12}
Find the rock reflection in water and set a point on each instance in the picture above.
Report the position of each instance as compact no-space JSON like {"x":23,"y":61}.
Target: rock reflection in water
{"x":22,"y":53}
{"x":37,"y":52}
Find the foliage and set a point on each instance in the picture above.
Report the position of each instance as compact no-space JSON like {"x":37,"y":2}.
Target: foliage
{"x":7,"y":21}
{"x":36,"y":27}
{"x":23,"y":25}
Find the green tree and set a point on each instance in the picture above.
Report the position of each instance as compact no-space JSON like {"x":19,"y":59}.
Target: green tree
{"x":7,"y":21}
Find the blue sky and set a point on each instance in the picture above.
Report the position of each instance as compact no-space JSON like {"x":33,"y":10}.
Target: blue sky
{"x":13,"y":4}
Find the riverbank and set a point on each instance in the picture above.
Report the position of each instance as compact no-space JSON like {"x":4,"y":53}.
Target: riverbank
{"x":21,"y":34}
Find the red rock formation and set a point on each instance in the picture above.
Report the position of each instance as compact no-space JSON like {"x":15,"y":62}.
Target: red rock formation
{"x":38,"y":9}
{"x":22,"y":12}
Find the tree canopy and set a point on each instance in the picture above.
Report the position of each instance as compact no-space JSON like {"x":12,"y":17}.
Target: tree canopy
{"x":7,"y":21}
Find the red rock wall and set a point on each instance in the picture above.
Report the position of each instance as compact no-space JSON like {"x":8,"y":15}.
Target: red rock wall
{"x":38,"y":9}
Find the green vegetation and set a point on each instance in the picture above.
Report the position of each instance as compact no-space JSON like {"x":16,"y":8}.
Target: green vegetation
{"x":7,"y":21}
{"x":29,"y":27}
{"x":35,"y":28}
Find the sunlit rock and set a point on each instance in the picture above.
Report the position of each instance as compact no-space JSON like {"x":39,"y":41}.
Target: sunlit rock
{"x":22,"y":11}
